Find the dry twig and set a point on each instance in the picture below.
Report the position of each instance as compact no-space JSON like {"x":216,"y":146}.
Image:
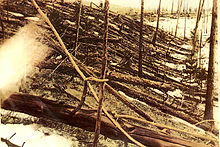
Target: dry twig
{"x":83,"y":97}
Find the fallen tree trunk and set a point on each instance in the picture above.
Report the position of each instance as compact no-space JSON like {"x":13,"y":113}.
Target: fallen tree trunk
{"x":115,"y":76}
{"x":128,"y":103}
{"x":141,"y":81}
{"x":40,"y":107}
{"x":97,"y":40}
{"x":150,"y":99}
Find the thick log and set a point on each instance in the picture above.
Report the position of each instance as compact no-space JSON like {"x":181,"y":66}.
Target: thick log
{"x":115,"y":76}
{"x":40,"y":107}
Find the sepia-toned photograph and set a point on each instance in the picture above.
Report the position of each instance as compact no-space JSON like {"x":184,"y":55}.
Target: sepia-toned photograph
{"x":109,"y":73}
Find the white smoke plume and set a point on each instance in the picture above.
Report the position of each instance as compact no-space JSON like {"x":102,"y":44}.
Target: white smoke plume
{"x":18,"y":56}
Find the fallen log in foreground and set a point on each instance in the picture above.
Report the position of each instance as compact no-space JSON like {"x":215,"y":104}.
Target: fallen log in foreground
{"x":85,"y":119}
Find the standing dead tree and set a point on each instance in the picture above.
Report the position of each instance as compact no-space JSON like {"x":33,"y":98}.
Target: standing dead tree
{"x":186,"y":11}
{"x":2,"y":26}
{"x":204,"y":21}
{"x":200,"y":50}
{"x":211,"y":69}
{"x":172,"y":7}
{"x":199,"y":13}
{"x":1,"y":23}
{"x":179,"y":9}
{"x":207,"y":18}
{"x":77,"y":26}
{"x":103,"y":73}
{"x":158,"y":20}
{"x":140,"y":41}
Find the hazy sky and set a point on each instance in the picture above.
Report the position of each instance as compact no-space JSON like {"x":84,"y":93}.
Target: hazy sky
{"x":152,"y":4}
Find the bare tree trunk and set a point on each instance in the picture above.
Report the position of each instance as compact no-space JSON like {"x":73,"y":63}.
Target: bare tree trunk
{"x":185,"y":8}
{"x":207,"y":21}
{"x":172,"y":7}
{"x":3,"y":30}
{"x":210,"y":79}
{"x":200,"y":42}
{"x":2,"y":25}
{"x":158,"y":20}
{"x":200,"y":49}
{"x":179,"y":9}
{"x":201,"y":3}
{"x":103,"y":74}
{"x":78,"y":25}
{"x":7,"y":9}
{"x":204,"y":21}
{"x":140,"y":41}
